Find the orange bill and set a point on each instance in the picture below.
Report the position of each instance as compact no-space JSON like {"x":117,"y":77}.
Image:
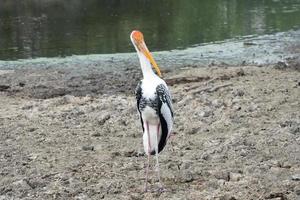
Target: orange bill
{"x":140,"y":43}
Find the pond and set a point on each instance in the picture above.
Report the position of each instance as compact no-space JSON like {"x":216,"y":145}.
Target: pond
{"x":51,"y":28}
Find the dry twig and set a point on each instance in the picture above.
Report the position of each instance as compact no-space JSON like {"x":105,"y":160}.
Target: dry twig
{"x":182,"y":80}
{"x":211,"y":89}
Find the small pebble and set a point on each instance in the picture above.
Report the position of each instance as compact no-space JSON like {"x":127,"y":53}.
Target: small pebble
{"x":238,"y":92}
{"x":103,"y":119}
{"x":237,"y":107}
{"x":193,"y":131}
{"x":96,"y":134}
{"x":241,"y":72}
{"x":205,"y":113}
{"x":187,"y":176}
{"x":252,"y":107}
{"x":217,"y":103}
{"x":31,"y":129}
{"x":88,"y":148}
{"x":222,"y":175}
{"x":235,"y":176}
{"x":296,"y":177}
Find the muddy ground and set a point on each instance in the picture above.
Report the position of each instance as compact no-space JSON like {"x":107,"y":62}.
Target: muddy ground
{"x":68,"y":135}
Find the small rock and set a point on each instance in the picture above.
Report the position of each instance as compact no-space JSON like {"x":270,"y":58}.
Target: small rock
{"x":221,"y":182}
{"x":295,"y":130}
{"x":3,"y":197}
{"x":285,"y":124}
{"x":4,"y":87}
{"x":205,"y":156}
{"x":252,"y":107}
{"x":297,"y":189}
{"x":27,"y":106}
{"x":22,"y":185}
{"x":21,"y":84}
{"x":222,"y":175}
{"x":225,"y":77}
{"x":103,"y":119}
{"x":115,"y":154}
{"x":213,"y":183}
{"x":187,"y":148}
{"x":278,"y":198}
{"x":243,"y":152}
{"x":281,"y":65}
{"x":173,"y":166}
{"x":241,"y":72}
{"x":270,"y":108}
{"x":139,"y":154}
{"x":217,"y":103}
{"x":235,"y":101}
{"x":227,"y":197}
{"x":131,"y":153}
{"x":136,"y":196}
{"x":88,"y":148}
{"x":77,"y":111}
{"x":193,"y":131}
{"x":296,"y":177}
{"x":205,"y":113}
{"x":279,"y":195}
{"x":80,"y":197}
{"x":286,"y":165}
{"x":124,"y":122}
{"x":32,"y":156}
{"x":68,"y":99}
{"x":31,"y":129}
{"x":235,"y":176}
{"x":187,"y":176}
{"x":96,"y":134}
{"x":237,"y":107}
{"x":248,"y":43}
{"x":238,"y":92}
{"x":185,"y":165}
{"x":185,"y":100}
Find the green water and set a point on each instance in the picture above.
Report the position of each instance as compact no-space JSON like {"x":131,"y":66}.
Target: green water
{"x":49,"y":28}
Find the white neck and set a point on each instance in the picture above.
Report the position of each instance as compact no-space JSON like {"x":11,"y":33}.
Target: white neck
{"x":146,"y":66}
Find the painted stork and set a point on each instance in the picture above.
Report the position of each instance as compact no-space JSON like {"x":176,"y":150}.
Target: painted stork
{"x":153,"y":103}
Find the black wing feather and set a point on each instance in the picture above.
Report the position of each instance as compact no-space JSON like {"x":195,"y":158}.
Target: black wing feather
{"x":164,"y":133}
{"x":138,"y":95}
{"x":163,"y":96}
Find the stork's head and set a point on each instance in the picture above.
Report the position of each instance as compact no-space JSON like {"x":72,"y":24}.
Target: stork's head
{"x":137,"y":40}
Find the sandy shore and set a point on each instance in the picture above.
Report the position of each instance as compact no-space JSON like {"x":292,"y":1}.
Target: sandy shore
{"x":67,"y":135}
{"x":69,"y":127}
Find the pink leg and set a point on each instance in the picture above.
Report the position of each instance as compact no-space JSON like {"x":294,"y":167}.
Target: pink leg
{"x":149,"y":142}
{"x":157,"y":163}
{"x":147,"y":170}
{"x":158,"y":128}
{"x":148,"y":161}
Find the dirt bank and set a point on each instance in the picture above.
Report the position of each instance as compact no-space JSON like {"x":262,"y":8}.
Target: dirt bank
{"x":71,"y":136}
